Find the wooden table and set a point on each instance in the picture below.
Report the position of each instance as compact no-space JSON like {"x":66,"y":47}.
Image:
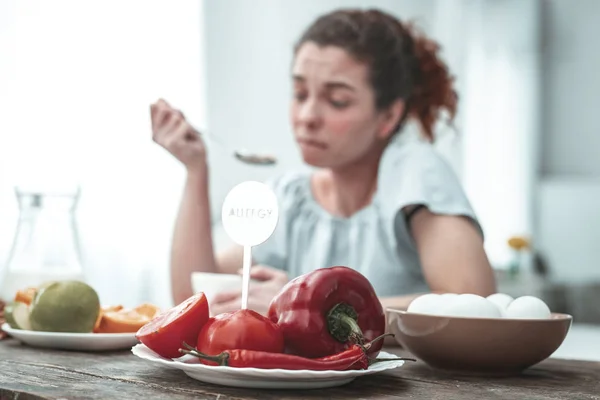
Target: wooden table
{"x":29,"y":373}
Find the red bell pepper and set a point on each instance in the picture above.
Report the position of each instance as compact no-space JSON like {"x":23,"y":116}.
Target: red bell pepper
{"x":328,"y":310}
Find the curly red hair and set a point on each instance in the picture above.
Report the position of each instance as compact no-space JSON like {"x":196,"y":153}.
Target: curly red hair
{"x":404,"y":63}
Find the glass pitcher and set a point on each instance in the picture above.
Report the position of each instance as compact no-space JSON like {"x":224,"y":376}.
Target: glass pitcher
{"x":46,"y":244}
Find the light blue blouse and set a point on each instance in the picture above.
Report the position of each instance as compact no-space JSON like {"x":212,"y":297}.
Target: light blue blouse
{"x":376,"y":240}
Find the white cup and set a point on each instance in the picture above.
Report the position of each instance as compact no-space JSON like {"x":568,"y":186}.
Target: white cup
{"x":211,"y":283}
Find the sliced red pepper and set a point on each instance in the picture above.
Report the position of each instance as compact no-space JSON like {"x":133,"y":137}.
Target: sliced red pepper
{"x":327,"y":310}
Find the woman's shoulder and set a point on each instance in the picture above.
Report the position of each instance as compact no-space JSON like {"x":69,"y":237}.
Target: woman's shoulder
{"x":416,"y":169}
{"x":416,"y":173}
{"x":413,"y":157}
{"x":292,"y":189}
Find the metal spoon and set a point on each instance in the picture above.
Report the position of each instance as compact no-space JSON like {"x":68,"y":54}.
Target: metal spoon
{"x":243,"y":155}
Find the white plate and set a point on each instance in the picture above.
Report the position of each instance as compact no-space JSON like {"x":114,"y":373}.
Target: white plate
{"x":73,"y":341}
{"x":265,"y":378}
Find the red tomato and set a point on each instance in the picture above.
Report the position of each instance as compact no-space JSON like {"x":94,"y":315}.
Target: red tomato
{"x":243,"y":329}
{"x":166,"y":333}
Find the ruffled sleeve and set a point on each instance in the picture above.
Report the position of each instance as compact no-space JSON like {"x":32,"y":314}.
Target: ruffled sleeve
{"x":415,"y":174}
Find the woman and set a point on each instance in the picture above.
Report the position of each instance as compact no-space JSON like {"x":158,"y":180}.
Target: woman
{"x":395,"y":212}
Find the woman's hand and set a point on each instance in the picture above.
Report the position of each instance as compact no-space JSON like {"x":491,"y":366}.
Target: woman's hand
{"x":171,"y":131}
{"x":261,"y":293}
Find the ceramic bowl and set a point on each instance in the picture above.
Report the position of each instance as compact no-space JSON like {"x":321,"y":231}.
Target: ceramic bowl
{"x":211,"y":283}
{"x":482,"y":346}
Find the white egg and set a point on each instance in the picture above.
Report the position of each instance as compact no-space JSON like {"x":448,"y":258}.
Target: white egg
{"x":469,"y":305}
{"x":426,"y":304}
{"x":527,"y":307}
{"x":448,"y":296}
{"x":500,"y":300}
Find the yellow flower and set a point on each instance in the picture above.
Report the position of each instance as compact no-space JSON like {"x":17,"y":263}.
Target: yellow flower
{"x":518,"y":243}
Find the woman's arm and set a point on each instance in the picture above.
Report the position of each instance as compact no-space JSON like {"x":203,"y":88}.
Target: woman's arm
{"x":192,"y":245}
{"x":452,"y":257}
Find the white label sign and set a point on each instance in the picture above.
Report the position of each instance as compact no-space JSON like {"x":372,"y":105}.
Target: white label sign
{"x":250,"y":213}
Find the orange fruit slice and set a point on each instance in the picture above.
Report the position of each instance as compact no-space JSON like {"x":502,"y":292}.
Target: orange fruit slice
{"x":26,"y":295}
{"x":126,"y":320}
{"x":101,"y":314}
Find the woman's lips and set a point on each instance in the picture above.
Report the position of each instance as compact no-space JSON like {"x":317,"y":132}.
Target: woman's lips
{"x":312,"y":143}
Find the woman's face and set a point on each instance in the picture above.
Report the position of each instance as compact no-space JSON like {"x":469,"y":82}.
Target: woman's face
{"x":333,"y":112}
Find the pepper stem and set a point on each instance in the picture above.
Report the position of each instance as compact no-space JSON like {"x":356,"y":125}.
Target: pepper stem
{"x":376,"y":360}
{"x":342,"y":324}
{"x":378,"y":338}
{"x":221,"y":359}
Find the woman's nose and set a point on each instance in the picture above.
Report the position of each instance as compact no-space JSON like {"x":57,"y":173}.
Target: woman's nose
{"x":309,"y":113}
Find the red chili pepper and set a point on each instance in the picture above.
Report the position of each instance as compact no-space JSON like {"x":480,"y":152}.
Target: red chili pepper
{"x":352,"y":358}
{"x":327,"y":310}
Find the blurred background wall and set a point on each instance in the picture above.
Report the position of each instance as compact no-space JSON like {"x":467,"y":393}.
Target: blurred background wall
{"x":77,"y":78}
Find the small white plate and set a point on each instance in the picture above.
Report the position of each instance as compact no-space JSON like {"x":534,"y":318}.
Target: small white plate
{"x":73,"y":341}
{"x":265,"y":378}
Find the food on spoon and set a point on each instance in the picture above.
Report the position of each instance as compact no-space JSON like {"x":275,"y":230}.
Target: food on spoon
{"x":64,"y":306}
{"x":327,"y":310}
{"x":119,"y":320}
{"x":166,"y":332}
{"x":242,"y":330}
{"x":527,"y":307}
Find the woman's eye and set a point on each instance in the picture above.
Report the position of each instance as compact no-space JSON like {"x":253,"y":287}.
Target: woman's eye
{"x":339,"y":103}
{"x":299,"y":96}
